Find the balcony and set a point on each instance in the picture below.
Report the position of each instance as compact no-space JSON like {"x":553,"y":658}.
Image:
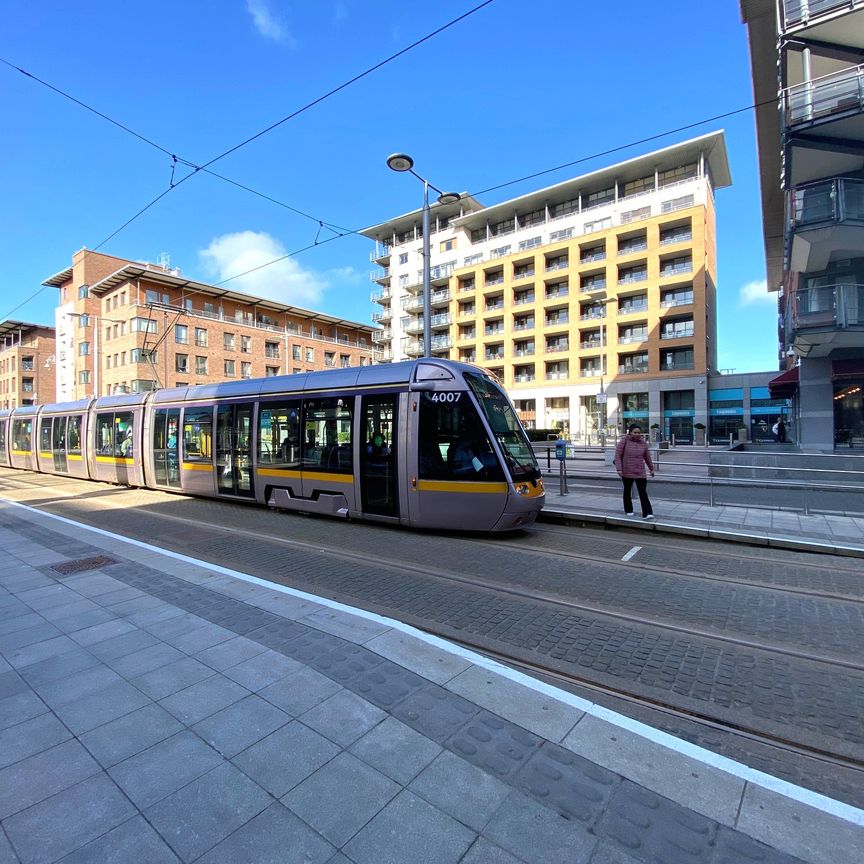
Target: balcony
{"x":632,"y":276}
{"x":439,"y":297}
{"x":413,"y":347}
{"x":630,"y":308}
{"x":827,"y":218}
{"x":412,"y":304}
{"x":415,"y":326}
{"x":522,"y":299}
{"x":524,"y":352}
{"x":593,"y":285}
{"x":590,"y":372}
{"x":825,"y":318}
{"x":813,"y":12}
{"x":382,"y":296}
{"x":558,"y":320}
{"x":441,"y":343}
{"x":676,"y":269}
{"x":591,"y":344}
{"x":379,"y":317}
{"x":558,"y":375}
{"x":441,"y":320}
{"x":380,"y":254}
{"x":556,"y":347}
{"x":633,"y":337}
{"x":524,"y":325}
{"x":380,"y":276}
{"x":633,"y":369}
{"x":590,"y":257}
{"x":382,"y":335}
{"x":524,"y":378}
{"x":679,"y":333}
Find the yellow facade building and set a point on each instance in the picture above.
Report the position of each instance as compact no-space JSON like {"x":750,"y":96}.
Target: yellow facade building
{"x":594,"y":300}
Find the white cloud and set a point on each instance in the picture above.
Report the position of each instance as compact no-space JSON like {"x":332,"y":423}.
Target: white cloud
{"x":286,"y":281}
{"x":266,"y":22}
{"x":756,"y":292}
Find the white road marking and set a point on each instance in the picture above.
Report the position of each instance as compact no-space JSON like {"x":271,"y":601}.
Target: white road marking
{"x":631,"y":553}
{"x":723,"y":763}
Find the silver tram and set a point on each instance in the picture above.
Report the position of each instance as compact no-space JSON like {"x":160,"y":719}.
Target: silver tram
{"x":424,"y":443}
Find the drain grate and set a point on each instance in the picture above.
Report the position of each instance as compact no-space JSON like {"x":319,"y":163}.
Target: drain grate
{"x":67,"y":568}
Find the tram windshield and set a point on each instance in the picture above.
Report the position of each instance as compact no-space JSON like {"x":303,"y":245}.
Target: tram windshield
{"x":505,"y":426}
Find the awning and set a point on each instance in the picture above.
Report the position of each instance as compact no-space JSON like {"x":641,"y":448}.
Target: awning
{"x":784,"y":385}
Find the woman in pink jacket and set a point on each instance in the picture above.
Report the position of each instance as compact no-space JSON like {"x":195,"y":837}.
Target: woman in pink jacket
{"x":631,"y":457}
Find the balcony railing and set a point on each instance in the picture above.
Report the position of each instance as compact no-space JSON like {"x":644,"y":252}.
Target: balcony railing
{"x":633,"y":369}
{"x":380,"y":275}
{"x":524,"y":378}
{"x":821,"y":97}
{"x":677,"y":334}
{"x":828,"y":306}
{"x":800,"y":11}
{"x":522,"y":300}
{"x":676,"y":269}
{"x":554,"y":347}
{"x":840,"y":200}
{"x":635,"y":276}
{"x":629,"y":308}
{"x":684,"y":300}
{"x":633,"y":337}
{"x":523,"y":325}
{"x":593,"y":285}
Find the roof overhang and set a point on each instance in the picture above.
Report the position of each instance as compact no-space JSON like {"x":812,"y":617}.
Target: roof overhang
{"x":784,"y":385}
{"x":191,"y":287}
{"x":7,"y":327}
{"x":760,"y":16}
{"x":59,"y":279}
{"x":712,"y":146}
{"x":402,"y":223}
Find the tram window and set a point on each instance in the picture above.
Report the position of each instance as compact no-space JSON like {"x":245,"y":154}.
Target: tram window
{"x":45,"y":435}
{"x":22,"y":431}
{"x":105,"y":434}
{"x":279,"y":434}
{"x":453,"y":443}
{"x":3,"y":439}
{"x":327,"y":435}
{"x":73,"y":435}
{"x":198,"y":435}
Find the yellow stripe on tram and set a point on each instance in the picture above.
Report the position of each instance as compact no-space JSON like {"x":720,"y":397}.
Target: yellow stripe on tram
{"x":197,"y":466}
{"x":115,"y":460}
{"x":461,"y":486}
{"x":73,"y":458}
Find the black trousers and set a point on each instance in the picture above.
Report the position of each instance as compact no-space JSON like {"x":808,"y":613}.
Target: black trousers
{"x":642,"y":489}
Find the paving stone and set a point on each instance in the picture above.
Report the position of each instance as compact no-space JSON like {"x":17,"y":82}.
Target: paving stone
{"x":606,"y":852}
{"x":10,"y":641}
{"x":410,"y":829}
{"x":230,"y":652}
{"x":287,"y":757}
{"x":465,"y":792}
{"x":396,"y":750}
{"x":77,"y":685}
{"x":133,"y":841}
{"x":733,"y":847}
{"x":172,"y":677}
{"x":566,"y":783}
{"x":536,"y":834}
{"x":650,"y":826}
{"x":119,"y":646}
{"x":300,"y":691}
{"x":67,"y":821}
{"x":262,"y":670}
{"x":162,"y":769}
{"x":435,"y":712}
{"x":57,"y":667}
{"x":202,"y":814}
{"x":494,"y":744}
{"x":11,"y":684}
{"x":100,"y":632}
{"x":272,"y":837}
{"x":240,"y":725}
{"x":433,"y":663}
{"x":7,"y":854}
{"x":145,"y":660}
{"x":40,"y":776}
{"x":194,"y":703}
{"x":118,"y":740}
{"x":200,"y":638}
{"x":101,"y":707}
{"x":309,"y":646}
{"x":484,"y":852}
{"x":20,"y":707}
{"x":354,"y":793}
{"x":347,"y":663}
{"x":343,"y":718}
{"x":30,"y":737}
{"x":346,"y":625}
{"x":387,"y":684}
{"x":27,"y":655}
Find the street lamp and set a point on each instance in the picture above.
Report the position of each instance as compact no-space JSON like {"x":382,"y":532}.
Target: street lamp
{"x":603,"y":300}
{"x":401,"y":162}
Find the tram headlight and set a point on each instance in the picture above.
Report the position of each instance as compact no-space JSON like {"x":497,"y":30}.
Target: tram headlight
{"x":522,"y":489}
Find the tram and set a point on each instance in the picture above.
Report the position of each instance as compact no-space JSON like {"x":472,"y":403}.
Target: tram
{"x":423,"y":443}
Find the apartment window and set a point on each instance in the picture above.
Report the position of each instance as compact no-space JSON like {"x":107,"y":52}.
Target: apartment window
{"x":112,"y":331}
{"x":557,"y":262}
{"x":344,"y":361}
{"x":557,"y":370}
{"x":467,"y":308}
{"x":271,"y":350}
{"x":534,"y":217}
{"x":587,"y":254}
{"x":557,"y":316}
{"x":674,"y":266}
{"x":122,"y":298}
{"x":525,"y":348}
{"x":200,"y":365}
{"x":26,"y":363}
{"x":505,"y":226}
{"x":210,"y":310}
{"x":466,"y":284}
{"x":84,"y":376}
{"x":108,"y":362}
{"x":143,"y":325}
{"x":155,"y":297}
{"x":523,"y":374}
{"x":564,"y":234}
{"x":521,"y":297}
{"x":273,"y":371}
{"x":632,"y":333}
{"x":468,"y":332}
{"x":676,"y":328}
{"x":448,"y":245}
{"x":557,"y":343}
{"x":676,"y":175}
{"x":523,"y":271}
{"x":633,"y":364}
{"x":638,"y":186}
{"x":246,"y":344}
{"x":181,"y":363}
{"x":679,"y":358}
{"x":403,"y":258}
{"x":84,"y":292}
{"x":329,"y":359}
{"x":138,"y":355}
{"x":523,"y":322}
{"x":245,"y":370}
{"x":229,"y":368}
{"x":638,"y":273}
{"x":228,"y":341}
{"x":592,"y":282}
{"x":530,"y":243}
{"x":83,"y":349}
{"x":681,"y":296}
{"x":142,"y":385}
{"x":676,"y":204}
{"x":310,"y":355}
{"x":564,"y":208}
{"x":598,"y":225}
{"x":681,"y":400}
{"x":676,"y":234}
{"x":499,"y":251}
{"x":181,"y":334}
{"x":629,"y":245}
{"x":598,"y":198}
{"x":634,"y":303}
{"x":200,"y":337}
{"x":84,"y":321}
{"x":636,"y":215}
{"x":123,"y":358}
{"x":27,"y":385}
{"x":557,"y":289}
{"x":295,"y":353}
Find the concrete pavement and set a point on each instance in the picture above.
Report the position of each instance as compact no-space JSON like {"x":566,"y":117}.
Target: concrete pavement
{"x":155,"y":708}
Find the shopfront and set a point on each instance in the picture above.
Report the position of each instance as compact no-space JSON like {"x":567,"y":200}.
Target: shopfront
{"x":725,"y":414}
{"x":848,"y":386}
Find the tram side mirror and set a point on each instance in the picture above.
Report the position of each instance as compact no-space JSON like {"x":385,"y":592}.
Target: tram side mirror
{"x":422,"y":386}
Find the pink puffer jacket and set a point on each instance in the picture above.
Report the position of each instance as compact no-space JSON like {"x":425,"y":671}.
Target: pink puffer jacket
{"x":631,"y":457}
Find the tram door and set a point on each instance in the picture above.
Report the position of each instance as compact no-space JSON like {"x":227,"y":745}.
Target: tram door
{"x":58,"y":445}
{"x":379,"y":490}
{"x":166,"y":464}
{"x":233,"y":456}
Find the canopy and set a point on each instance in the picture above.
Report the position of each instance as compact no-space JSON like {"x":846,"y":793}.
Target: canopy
{"x":784,"y":385}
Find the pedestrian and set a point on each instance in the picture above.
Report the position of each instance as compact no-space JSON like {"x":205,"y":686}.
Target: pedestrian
{"x":779,"y":431}
{"x":631,"y":459}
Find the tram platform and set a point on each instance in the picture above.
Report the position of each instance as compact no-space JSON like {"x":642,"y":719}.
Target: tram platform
{"x":157,"y":708}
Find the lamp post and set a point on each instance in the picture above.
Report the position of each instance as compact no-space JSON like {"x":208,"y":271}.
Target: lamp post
{"x":603,"y":300}
{"x":401,"y":162}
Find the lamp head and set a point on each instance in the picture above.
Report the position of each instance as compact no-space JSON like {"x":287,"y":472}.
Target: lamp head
{"x":400,"y":162}
{"x":449,"y":197}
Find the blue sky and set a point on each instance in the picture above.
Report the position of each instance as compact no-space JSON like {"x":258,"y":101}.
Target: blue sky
{"x":513,"y":89}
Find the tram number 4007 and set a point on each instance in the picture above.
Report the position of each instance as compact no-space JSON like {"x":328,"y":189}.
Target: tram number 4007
{"x":444,"y":397}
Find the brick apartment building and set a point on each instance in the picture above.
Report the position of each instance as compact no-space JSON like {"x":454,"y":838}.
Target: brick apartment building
{"x":27,"y":359}
{"x":125,"y":326}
